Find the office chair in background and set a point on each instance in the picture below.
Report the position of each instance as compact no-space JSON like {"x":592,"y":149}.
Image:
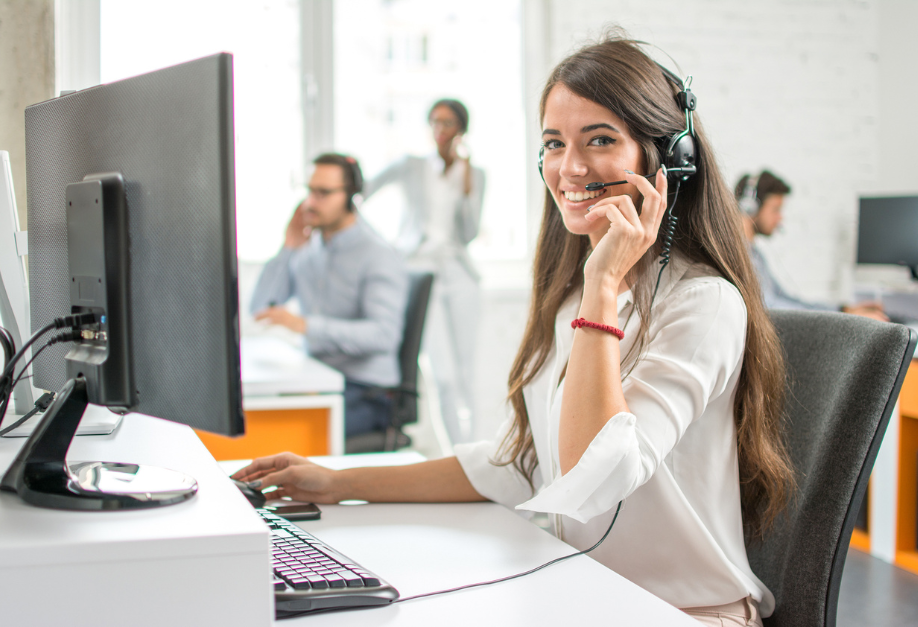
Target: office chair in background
{"x":844,"y":375}
{"x":405,"y":396}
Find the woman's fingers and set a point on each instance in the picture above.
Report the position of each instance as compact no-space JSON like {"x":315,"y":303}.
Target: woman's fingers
{"x":654,"y":205}
{"x":264,"y":465}
{"x":254,"y":470}
{"x":614,"y":208}
{"x":285,"y":479}
{"x":306,"y":481}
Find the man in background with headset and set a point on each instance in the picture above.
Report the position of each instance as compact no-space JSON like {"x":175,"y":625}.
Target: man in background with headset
{"x":761,"y":198}
{"x":352,"y":289}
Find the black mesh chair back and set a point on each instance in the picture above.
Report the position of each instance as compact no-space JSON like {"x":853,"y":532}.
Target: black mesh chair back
{"x":844,"y":376}
{"x":405,"y":396}
{"x":405,"y":406}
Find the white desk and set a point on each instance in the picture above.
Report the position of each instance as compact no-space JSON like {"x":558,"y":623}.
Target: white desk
{"x":277,"y":375}
{"x":422,"y":548}
{"x":206,"y":561}
{"x":201,"y":562}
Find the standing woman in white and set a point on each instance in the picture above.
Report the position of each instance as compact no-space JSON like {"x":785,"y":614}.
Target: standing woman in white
{"x":443,"y":194}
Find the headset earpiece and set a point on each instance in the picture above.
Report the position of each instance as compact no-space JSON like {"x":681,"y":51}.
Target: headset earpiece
{"x":541,"y":160}
{"x":749,"y":199}
{"x":356,"y":174}
{"x":679,"y":154}
{"x":357,"y":178}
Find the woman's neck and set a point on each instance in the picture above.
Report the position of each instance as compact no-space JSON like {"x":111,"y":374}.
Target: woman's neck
{"x":446,"y":156}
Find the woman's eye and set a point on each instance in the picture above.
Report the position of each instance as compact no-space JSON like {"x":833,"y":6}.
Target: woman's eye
{"x":551,"y":144}
{"x":602,"y":140}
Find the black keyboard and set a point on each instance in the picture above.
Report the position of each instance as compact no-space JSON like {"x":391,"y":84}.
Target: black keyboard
{"x":310,"y":575}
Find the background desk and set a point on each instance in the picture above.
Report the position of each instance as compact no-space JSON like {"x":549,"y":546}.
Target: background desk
{"x":292,"y":403}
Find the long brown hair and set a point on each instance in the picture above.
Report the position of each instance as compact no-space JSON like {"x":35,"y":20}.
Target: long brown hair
{"x":616,"y":74}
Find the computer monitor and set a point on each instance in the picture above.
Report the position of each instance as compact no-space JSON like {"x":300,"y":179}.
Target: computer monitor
{"x":13,"y":299}
{"x":132,"y":219}
{"x":888,"y":231}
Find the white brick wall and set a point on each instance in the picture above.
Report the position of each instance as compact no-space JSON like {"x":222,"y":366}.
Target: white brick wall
{"x":821,"y":91}
{"x":783,"y":84}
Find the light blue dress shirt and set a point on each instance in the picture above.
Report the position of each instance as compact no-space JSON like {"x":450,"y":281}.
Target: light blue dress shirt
{"x":353,"y":291}
{"x":773,"y":294}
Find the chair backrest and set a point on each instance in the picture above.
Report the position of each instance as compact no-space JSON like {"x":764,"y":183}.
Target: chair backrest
{"x":405,"y":402}
{"x":844,"y":376}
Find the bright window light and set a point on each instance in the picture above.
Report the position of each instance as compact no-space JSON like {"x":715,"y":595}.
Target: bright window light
{"x":394,"y":58}
{"x":264,"y":37}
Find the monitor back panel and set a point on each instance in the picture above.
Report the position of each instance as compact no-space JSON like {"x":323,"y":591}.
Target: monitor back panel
{"x":170,"y":134}
{"x":888,"y":230}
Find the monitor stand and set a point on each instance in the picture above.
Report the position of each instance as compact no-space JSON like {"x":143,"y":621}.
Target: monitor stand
{"x":41,"y":476}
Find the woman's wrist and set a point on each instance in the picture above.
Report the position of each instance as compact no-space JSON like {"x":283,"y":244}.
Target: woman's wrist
{"x":341,"y":485}
{"x":604,"y":286}
{"x":600,"y":305}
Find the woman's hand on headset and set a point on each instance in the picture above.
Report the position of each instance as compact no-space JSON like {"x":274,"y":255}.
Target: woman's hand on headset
{"x":629,"y":235}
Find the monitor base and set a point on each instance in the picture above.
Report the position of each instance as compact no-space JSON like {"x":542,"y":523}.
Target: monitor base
{"x":41,"y":476}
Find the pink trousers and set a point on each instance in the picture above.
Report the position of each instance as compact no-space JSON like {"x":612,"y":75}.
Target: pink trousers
{"x":744,"y":612}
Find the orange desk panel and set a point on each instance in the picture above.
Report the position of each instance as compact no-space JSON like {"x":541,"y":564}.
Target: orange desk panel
{"x":907,"y":506}
{"x":860,"y":540}
{"x":300,"y":431}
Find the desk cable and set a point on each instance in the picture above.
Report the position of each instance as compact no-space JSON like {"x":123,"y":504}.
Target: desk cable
{"x":8,"y":377}
{"x":523,"y":574}
{"x":465,"y":587}
{"x":44,"y":401}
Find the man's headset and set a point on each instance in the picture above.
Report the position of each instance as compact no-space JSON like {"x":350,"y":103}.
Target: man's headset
{"x":678,"y":151}
{"x":749,"y":200}
{"x":357,"y":178}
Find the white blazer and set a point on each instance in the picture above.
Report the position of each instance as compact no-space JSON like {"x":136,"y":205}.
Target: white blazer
{"x":673,"y":461}
{"x":414,"y":175}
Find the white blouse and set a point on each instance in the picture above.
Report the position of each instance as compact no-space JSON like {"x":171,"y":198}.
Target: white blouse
{"x":673,"y":461}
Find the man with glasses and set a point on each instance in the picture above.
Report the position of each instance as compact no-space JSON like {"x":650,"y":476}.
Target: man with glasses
{"x":352,"y":289}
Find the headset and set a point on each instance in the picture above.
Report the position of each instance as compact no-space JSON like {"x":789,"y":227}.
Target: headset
{"x":748,"y":201}
{"x":678,"y":151}
{"x":356,"y":177}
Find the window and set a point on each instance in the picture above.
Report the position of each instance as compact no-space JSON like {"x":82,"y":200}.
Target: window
{"x":394,"y":58}
{"x":264,"y":37}
{"x":391,"y":60}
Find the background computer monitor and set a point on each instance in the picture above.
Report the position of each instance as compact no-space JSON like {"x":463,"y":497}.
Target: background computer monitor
{"x":888,"y":231}
{"x":169,"y":134}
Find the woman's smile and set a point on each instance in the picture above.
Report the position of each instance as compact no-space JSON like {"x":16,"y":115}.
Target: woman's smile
{"x":579,"y":196}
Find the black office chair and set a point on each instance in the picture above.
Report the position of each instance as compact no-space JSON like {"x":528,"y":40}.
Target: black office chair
{"x":844,"y":375}
{"x":405,"y":396}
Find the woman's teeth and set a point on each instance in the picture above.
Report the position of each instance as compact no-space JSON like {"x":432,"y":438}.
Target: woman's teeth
{"x":578,"y":196}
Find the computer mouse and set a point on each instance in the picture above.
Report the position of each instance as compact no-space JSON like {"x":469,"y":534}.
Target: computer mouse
{"x":256,"y":498}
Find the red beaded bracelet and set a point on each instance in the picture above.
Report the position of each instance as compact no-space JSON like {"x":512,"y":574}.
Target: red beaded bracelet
{"x":583,"y":322}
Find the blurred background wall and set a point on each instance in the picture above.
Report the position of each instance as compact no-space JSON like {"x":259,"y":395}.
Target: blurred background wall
{"x":819,"y":91}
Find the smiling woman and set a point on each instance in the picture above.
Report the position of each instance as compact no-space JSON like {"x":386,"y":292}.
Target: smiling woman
{"x":656,"y":392}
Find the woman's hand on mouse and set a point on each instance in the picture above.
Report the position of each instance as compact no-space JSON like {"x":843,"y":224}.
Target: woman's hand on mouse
{"x":294,"y":476}
{"x":629,"y":235}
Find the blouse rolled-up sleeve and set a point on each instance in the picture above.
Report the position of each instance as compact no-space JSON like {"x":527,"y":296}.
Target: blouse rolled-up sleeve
{"x":501,"y":484}
{"x":696,"y":345}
